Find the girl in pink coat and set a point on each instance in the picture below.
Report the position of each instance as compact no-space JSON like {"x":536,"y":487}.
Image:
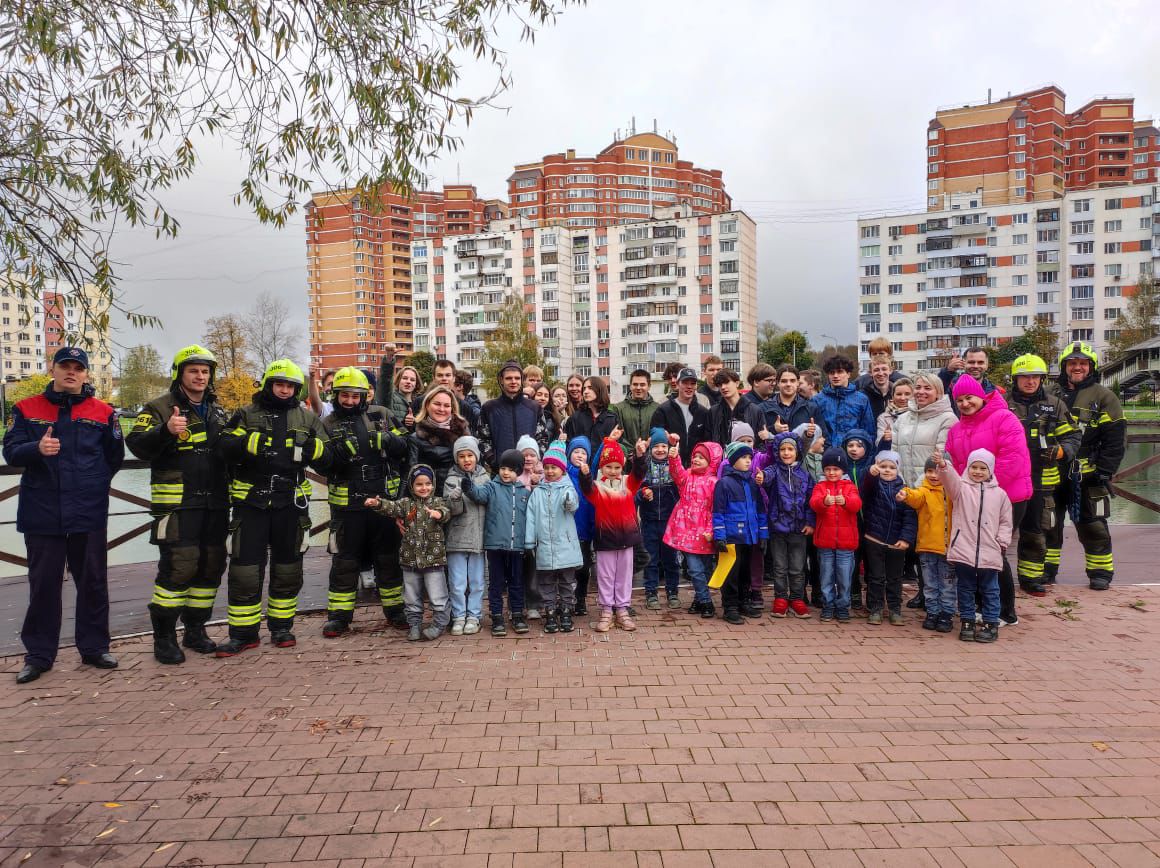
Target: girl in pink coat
{"x":986,"y":422}
{"x":690,"y":527}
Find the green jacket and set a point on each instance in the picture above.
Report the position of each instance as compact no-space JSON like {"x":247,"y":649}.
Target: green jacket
{"x":423,"y":545}
{"x":635,"y":418}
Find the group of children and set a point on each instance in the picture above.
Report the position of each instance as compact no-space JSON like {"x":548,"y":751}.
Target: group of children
{"x":542,"y":524}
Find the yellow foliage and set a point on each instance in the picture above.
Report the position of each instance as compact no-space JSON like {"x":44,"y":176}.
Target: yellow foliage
{"x":235,"y":391}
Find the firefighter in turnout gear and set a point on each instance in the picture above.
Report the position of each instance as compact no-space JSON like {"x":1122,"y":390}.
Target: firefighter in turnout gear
{"x":1083,"y":491}
{"x":269,"y":445}
{"x":177,"y":433}
{"x":363,"y":450}
{"x":1053,"y":442}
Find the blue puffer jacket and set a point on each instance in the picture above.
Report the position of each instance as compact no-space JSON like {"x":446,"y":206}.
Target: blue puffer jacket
{"x":859,"y":469}
{"x":551,"y":528}
{"x":586,"y":514}
{"x":659,"y":481}
{"x":67,"y":492}
{"x":886,"y":519}
{"x":840,"y":410}
{"x":788,"y":489}
{"x":505,"y":522}
{"x":738,"y":510}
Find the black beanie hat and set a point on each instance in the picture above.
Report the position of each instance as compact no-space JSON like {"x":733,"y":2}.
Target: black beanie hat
{"x":513,"y":460}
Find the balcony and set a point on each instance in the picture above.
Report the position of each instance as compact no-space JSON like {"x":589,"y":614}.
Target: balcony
{"x":492,"y":247}
{"x":869,"y":317}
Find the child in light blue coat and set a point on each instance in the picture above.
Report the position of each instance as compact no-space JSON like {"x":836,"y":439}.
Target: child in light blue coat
{"x":551,"y":531}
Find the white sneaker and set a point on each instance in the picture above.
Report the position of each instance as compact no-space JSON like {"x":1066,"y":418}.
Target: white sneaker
{"x":470,"y":628}
{"x":532,"y":614}
{"x":367,"y":579}
{"x":457,"y":626}
{"x":1003,"y":623}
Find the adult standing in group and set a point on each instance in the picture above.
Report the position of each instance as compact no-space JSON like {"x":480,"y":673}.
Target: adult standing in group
{"x":1103,"y":440}
{"x":762,"y":379}
{"x":732,"y":408}
{"x":879,"y":349}
{"x":444,"y":374}
{"x":1052,"y":443}
{"x":985,"y":422}
{"x":594,"y":419}
{"x":707,"y":394}
{"x":684,"y":415}
{"x":973,"y":363}
{"x":575,"y":387}
{"x":922,"y":430}
{"x":877,"y":386}
{"x":437,"y":426}
{"x":401,"y":390}
{"x":177,"y":433}
{"x":509,"y":416}
{"x":841,"y":406}
{"x":636,"y":411}
{"x":671,"y":378}
{"x":469,"y":406}
{"x":70,"y":446}
{"x":786,"y":408}
{"x":559,"y":407}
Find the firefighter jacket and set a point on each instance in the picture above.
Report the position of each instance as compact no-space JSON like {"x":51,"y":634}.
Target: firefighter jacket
{"x":365,"y":456}
{"x":1049,"y":430}
{"x":1100,"y":420}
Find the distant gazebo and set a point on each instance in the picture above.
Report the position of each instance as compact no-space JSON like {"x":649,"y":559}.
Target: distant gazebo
{"x":1137,"y":370}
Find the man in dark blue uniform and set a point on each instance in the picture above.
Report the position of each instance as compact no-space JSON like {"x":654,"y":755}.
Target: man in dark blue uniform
{"x":70,"y":446}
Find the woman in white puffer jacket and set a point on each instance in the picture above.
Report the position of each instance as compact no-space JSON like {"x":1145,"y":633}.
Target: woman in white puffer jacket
{"x":922,"y":430}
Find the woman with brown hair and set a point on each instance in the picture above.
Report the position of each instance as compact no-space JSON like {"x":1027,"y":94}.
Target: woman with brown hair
{"x":593,"y":419}
{"x":437,"y":426}
{"x":574,"y":386}
{"x":404,"y":397}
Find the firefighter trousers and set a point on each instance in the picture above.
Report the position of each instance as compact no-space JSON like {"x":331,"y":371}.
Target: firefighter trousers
{"x":258,"y":536}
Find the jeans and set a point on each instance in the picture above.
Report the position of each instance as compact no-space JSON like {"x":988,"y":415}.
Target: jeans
{"x":614,"y":578}
{"x":938,"y":584}
{"x":884,"y":565}
{"x":662,"y":559}
{"x":465,"y":577}
{"x":506,"y":571}
{"x":434,"y":581}
{"x":835,"y":566}
{"x":700,"y":568}
{"x":788,"y":551}
{"x":983,"y":582}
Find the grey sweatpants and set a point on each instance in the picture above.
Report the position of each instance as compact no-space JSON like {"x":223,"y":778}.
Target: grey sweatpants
{"x":434,"y":581}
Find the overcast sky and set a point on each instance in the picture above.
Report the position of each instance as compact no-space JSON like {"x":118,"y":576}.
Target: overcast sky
{"x":815,"y":113}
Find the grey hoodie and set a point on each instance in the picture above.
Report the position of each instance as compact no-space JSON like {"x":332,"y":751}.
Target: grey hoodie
{"x":465,"y":530}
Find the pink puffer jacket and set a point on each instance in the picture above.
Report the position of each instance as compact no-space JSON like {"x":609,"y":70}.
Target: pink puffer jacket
{"x":690,"y":527}
{"x":999,"y":431}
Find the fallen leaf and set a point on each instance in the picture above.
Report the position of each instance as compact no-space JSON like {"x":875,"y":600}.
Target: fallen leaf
{"x":1099,"y":745}
{"x":397,"y":808}
{"x":164,"y":846}
{"x":435,"y":822}
{"x":107,"y":832}
{"x":26,"y":856}
{"x":62,"y":781}
{"x":113,"y":805}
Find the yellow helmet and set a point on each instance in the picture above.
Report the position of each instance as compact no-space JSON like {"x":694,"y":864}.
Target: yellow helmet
{"x":193,"y":353}
{"x":1029,"y":365}
{"x":1079,"y":350}
{"x":285,"y":370}
{"x":350,"y":380}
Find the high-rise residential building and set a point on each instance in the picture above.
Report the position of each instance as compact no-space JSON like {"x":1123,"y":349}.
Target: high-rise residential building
{"x":978,"y":274}
{"x":625,"y":181}
{"x":602,"y":301}
{"x":358,"y":256}
{"x":1030,"y":148}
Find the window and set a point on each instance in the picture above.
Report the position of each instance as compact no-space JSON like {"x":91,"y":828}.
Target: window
{"x":1020,"y":140}
{"x":870,"y":231}
{"x":1116,"y":270}
{"x":1082,"y":334}
{"x":895,"y":327}
{"x":1018,"y":300}
{"x":894,"y":269}
{"x":1019,"y":321}
{"x":870,"y":270}
{"x":1019,"y":259}
{"x":932,"y":151}
{"x":1111,"y":313}
{"x":1113,"y":247}
{"x":1019,"y":280}
{"x":1113,"y":225}
{"x":872,"y":328}
{"x":1045,"y":298}
{"x":1020,"y":191}
{"x":1020,"y":157}
{"x":728,"y":246}
{"x":869,"y":250}
{"x":1113,"y":291}
{"x":728,"y":227}
{"x":1019,"y":219}
{"x":894,"y":308}
{"x":1082,"y":293}
{"x":1019,"y":239}
{"x":1113,"y":204}
{"x":894,"y":250}
{"x":1020,"y":123}
{"x":1083,"y":227}
{"x":1020,"y":174}
{"x":894,"y":289}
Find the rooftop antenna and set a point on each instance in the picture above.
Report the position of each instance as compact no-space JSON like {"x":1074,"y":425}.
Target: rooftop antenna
{"x":654,"y":126}
{"x":634,"y":125}
{"x":988,"y":96}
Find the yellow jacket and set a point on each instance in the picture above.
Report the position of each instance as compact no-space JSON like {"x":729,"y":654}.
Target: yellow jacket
{"x":934,"y":516}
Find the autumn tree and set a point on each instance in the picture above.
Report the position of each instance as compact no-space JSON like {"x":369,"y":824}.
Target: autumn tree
{"x":143,"y":376}
{"x":106,"y":107}
{"x":235,"y":390}
{"x":423,"y":362}
{"x":225,"y":337}
{"x":270,"y":330}
{"x":1140,"y":319}
{"x":512,"y":339}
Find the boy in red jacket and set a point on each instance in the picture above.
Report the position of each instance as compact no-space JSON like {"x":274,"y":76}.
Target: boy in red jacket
{"x":835,"y":502}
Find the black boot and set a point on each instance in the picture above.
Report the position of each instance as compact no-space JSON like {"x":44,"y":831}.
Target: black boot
{"x":165,"y":647}
{"x":551,"y":622}
{"x":335,"y":627}
{"x":918,"y":601}
{"x":240,"y":640}
{"x":195,"y":638}
{"x":396,"y":617}
{"x":281,"y":637}
{"x":566,"y":625}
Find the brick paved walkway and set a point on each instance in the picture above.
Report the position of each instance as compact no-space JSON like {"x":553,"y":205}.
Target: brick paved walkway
{"x":687,"y":743}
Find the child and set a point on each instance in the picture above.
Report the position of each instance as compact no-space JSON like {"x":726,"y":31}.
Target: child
{"x":980,"y":534}
{"x":579,"y":450}
{"x":465,"y":560}
{"x":742,"y":432}
{"x":504,"y":538}
{"x":901,"y":391}
{"x":934,"y":525}
{"x":856,"y":444}
{"x":891,"y":528}
{"x":423,"y":552}
{"x":551,"y":533}
{"x":791,"y":522}
{"x":655,"y":500}
{"x":617,"y":530}
{"x":738,"y":520}
{"x":835,"y":503}
{"x":530,"y":476}
{"x":690,"y":528}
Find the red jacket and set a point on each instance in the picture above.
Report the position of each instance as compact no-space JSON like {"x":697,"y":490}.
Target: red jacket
{"x":617,"y":526}
{"x":837,"y":526}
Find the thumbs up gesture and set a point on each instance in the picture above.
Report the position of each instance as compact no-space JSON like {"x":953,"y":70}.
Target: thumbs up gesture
{"x":812,"y":430}
{"x":49,"y":445}
{"x":779,"y":426}
{"x":177,"y":423}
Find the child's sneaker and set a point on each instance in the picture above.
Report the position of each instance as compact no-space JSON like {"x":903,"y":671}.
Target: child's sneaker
{"x":498,"y":628}
{"x":566,"y":623}
{"x":519,"y":622}
{"x":432,"y":633}
{"x":967,"y":630}
{"x":946,"y":623}
{"x":987,"y":633}
{"x":732,"y":616}
{"x":581,"y":608}
{"x":457,"y":626}
{"x":930,"y":622}
{"x":799,"y":609}
{"x":533,"y":614}
{"x":780,"y":607}
{"x":674,"y":601}
{"x":827,"y":614}
{"x":708,"y":610}
{"x":753,"y":609}
{"x":896,"y":619}
{"x":874,"y":618}
{"x":843,"y":616}
{"x":652,"y":601}
{"x":415,"y":633}
{"x":624,"y":620}
{"x":605,"y":622}
{"x":551,"y":624}
{"x":471,"y":627}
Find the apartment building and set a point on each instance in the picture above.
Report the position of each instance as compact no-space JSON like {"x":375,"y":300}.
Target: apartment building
{"x":603,"y":301}
{"x":1029,"y":148}
{"x":625,"y":181}
{"x":358,"y":255}
{"x":979,"y":274}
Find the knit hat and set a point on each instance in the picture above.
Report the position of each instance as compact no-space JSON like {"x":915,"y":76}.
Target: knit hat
{"x":513,"y":460}
{"x":509,"y":365}
{"x":930,"y":464}
{"x":657,"y":436}
{"x":835,"y":458}
{"x":528,"y":442}
{"x":967,"y":385}
{"x":734,"y":451}
{"x":611,"y":453}
{"x":555,"y":455}
{"x":889,"y":455}
{"x":420,"y":470}
{"x":741,"y":429}
{"x":466,"y":443}
{"x":984,"y":455}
